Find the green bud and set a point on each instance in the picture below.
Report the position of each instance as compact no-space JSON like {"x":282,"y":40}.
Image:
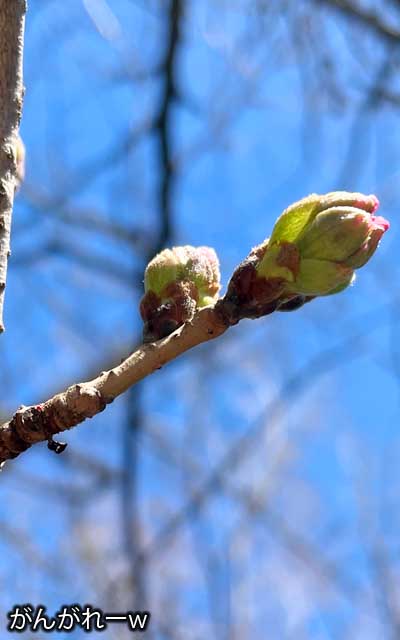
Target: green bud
{"x":313,"y":250}
{"x":178,"y":281}
{"x":320,"y":278}
{"x":335,"y":234}
{"x":202,"y":268}
{"x":163,"y":269}
{"x":280,"y":260}
{"x":332,"y":235}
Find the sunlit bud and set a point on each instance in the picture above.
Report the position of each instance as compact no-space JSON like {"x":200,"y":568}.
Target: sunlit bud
{"x":321,"y":240}
{"x":178,"y":281}
{"x":313,"y":250}
{"x":295,"y":218}
{"x":342,"y":234}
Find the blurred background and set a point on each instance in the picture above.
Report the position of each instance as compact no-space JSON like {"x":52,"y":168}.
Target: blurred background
{"x":251,"y":488}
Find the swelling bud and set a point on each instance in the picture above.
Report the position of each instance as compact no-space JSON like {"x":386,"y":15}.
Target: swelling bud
{"x":177,"y":281}
{"x":315,"y":246}
{"x":332,"y":235}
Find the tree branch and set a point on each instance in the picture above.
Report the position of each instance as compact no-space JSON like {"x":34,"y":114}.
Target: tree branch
{"x":168,"y":97}
{"x":365,"y":18}
{"x":39,"y":423}
{"x":12,"y":22}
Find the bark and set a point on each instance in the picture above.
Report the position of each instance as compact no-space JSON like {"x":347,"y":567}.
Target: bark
{"x":12,"y":21}
{"x":39,"y":423}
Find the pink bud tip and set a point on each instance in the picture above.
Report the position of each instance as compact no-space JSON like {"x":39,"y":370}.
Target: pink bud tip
{"x":375,"y":203}
{"x":378,"y":221}
{"x":368,"y":203}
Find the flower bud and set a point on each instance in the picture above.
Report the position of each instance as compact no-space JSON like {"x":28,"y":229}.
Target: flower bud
{"x":177,"y":281}
{"x":314,"y":248}
{"x":298,"y":216}
{"x":327,"y":237}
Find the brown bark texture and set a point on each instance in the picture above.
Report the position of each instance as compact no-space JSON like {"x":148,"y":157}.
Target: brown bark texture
{"x":40,"y":422}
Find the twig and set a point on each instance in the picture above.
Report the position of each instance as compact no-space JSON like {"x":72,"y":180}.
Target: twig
{"x":370,"y":19}
{"x":65,"y":410}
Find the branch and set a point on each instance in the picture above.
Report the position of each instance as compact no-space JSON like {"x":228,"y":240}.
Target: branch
{"x":275,"y":276}
{"x":365,"y":18}
{"x":12,"y":21}
{"x":163,"y":120}
{"x":165,"y":134}
{"x":39,"y":423}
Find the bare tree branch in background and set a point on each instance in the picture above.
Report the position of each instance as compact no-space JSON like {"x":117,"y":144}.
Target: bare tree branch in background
{"x":370,"y":19}
{"x":163,"y":130}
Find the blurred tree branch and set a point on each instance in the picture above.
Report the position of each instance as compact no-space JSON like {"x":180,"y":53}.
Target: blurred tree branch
{"x":164,"y":132}
{"x":12,"y":22}
{"x":370,"y":19}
